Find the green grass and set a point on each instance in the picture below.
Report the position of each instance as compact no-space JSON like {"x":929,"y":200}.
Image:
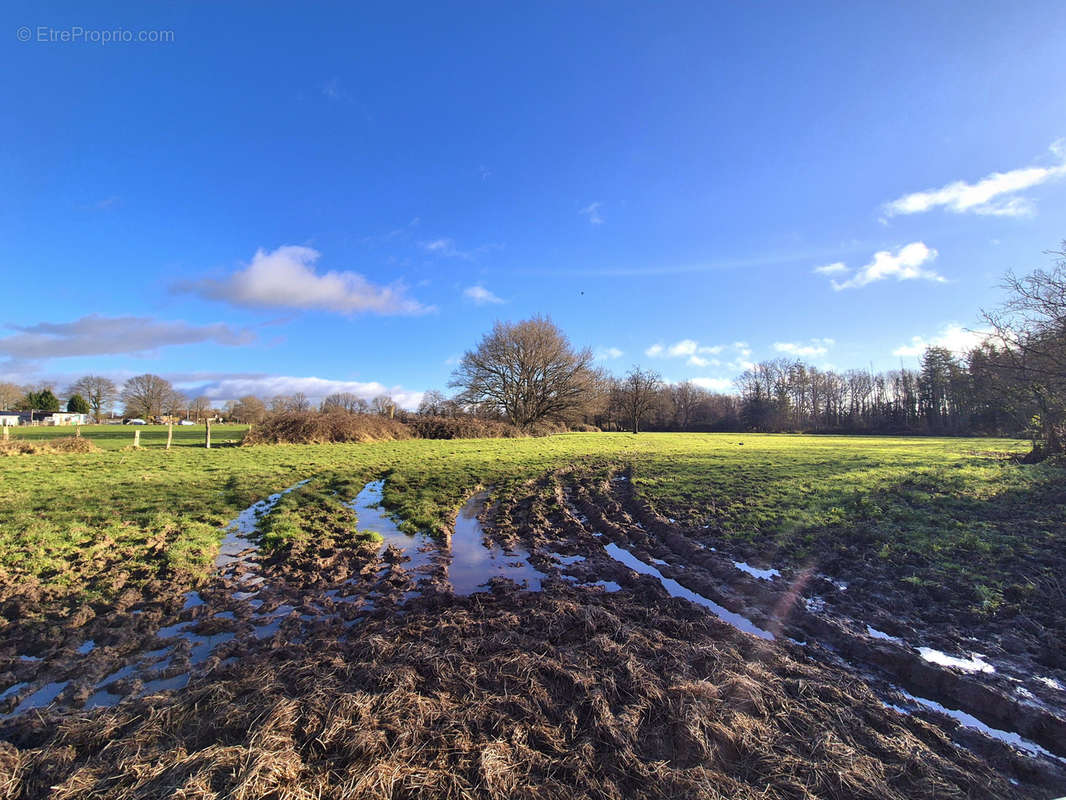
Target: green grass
{"x":952,"y":508}
{"x":116,"y":437}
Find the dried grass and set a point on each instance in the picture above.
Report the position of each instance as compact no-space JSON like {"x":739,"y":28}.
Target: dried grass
{"x":558,"y":695}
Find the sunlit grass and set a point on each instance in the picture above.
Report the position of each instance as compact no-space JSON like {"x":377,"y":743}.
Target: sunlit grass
{"x":953,"y":507}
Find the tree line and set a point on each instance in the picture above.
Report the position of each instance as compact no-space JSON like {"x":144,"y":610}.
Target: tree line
{"x":529,"y":375}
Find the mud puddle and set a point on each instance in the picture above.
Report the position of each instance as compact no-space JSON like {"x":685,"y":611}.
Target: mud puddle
{"x":475,"y":561}
{"x":420,"y":550}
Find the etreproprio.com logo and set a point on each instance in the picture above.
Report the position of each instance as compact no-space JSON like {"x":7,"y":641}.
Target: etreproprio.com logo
{"x":77,"y":34}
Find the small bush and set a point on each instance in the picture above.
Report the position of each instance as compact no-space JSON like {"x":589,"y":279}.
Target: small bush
{"x":428,"y":427}
{"x":312,"y":427}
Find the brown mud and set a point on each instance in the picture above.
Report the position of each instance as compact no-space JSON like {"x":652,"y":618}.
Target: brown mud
{"x":329,"y":669}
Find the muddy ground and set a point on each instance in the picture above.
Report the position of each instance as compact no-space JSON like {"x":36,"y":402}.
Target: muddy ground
{"x":334,"y":668}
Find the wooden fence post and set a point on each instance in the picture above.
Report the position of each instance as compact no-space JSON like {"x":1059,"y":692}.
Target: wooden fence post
{"x":170,"y":434}
{"x":136,"y":437}
{"x":77,"y":431}
{"x":207,"y":439}
{"x":6,"y":432}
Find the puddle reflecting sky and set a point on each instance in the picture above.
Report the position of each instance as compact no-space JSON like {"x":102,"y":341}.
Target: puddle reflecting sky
{"x":475,"y":561}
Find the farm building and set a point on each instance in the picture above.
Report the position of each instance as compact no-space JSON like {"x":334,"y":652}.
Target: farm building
{"x":9,"y":418}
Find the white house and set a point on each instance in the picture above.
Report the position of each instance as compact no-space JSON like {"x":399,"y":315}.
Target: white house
{"x":66,"y":418}
{"x":8,"y":419}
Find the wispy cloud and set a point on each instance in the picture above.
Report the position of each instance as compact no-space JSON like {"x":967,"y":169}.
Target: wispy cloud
{"x":446,"y":247}
{"x":608,"y":353}
{"x":832,"y":269}
{"x":592,"y":211}
{"x":286,"y":278}
{"x":952,"y":336}
{"x":480,"y":296}
{"x":993,"y":195}
{"x":98,"y":335}
{"x":734,"y":356}
{"x":905,"y":264}
{"x":814,"y":347}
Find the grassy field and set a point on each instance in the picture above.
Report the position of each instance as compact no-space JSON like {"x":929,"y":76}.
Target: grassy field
{"x":953,"y":508}
{"x":115,"y":437}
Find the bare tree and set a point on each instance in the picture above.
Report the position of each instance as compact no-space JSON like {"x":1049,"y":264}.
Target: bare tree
{"x":433,"y":404}
{"x":299,"y":402}
{"x":100,"y":392}
{"x":146,"y":395}
{"x":384,"y":405}
{"x":685,"y":396}
{"x":1030,"y":338}
{"x":526,"y":370}
{"x":344,"y":401}
{"x":247,"y":409}
{"x":638,"y":393}
{"x":199,"y":407}
{"x":10,"y":395}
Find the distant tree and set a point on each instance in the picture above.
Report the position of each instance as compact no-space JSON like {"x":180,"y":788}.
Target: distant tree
{"x":146,"y":395}
{"x":42,"y":400}
{"x":176,"y":404}
{"x":638,"y":394}
{"x":344,"y":401}
{"x":433,"y":404}
{"x":199,"y":408}
{"x":248,"y":409}
{"x":100,"y":392}
{"x":10,"y":395}
{"x":299,"y":402}
{"x":685,"y":397}
{"x":77,"y":404}
{"x":1029,"y":331}
{"x":527,"y":371}
{"x":384,"y":405}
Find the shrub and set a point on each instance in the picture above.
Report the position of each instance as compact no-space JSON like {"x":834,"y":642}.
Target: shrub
{"x":429,"y":427}
{"x":312,"y":427}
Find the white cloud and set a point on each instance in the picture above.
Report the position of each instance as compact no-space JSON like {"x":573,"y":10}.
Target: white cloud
{"x":816,"y":347}
{"x":592,"y":211}
{"x":285,"y":278}
{"x":479,"y":295}
{"x":683,"y":348}
{"x":99,"y":335}
{"x":608,"y":353}
{"x":952,"y":336}
{"x":989,"y":196}
{"x":832,"y":269}
{"x":905,"y":264}
{"x":714,"y":384}
{"x":222,"y":387}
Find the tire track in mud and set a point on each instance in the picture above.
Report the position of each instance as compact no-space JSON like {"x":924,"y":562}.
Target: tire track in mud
{"x":981,"y":701}
{"x":255,"y":600}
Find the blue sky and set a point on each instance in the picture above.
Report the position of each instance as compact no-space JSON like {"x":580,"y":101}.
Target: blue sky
{"x":354,"y":192}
